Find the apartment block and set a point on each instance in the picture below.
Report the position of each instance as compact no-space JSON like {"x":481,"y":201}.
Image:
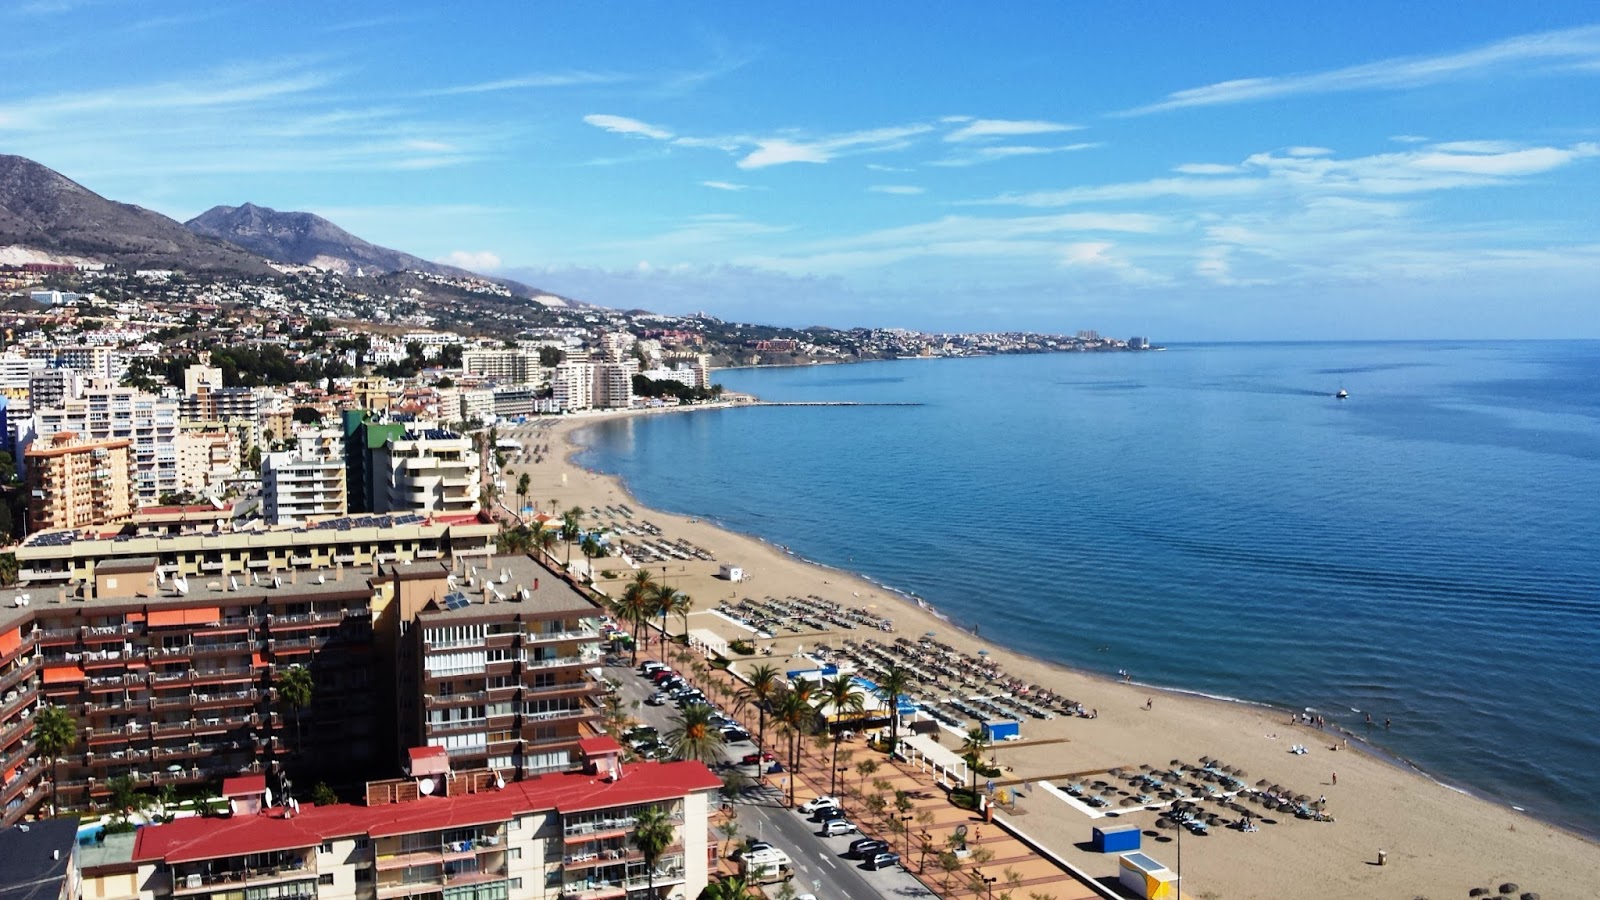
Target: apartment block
{"x":307,"y":481}
{"x":425,"y":470}
{"x":206,"y":547}
{"x":572,"y":386}
{"x":613,"y":384}
{"x":73,"y":483}
{"x":107,"y":413}
{"x":444,"y":835}
{"x":90,"y":361}
{"x":206,"y":459}
{"x":513,"y":365}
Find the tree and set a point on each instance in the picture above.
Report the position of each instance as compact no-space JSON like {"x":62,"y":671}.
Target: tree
{"x":570,"y":527}
{"x":9,"y":567}
{"x":546,"y":539}
{"x":729,"y":887}
{"x":794,"y":714}
{"x":322,"y":795}
{"x":124,"y":798}
{"x":307,"y":415}
{"x":843,"y":697}
{"x":294,"y":689}
{"x":634,"y":605}
{"x":973,"y":746}
{"x":652,"y":834}
{"x":694,"y":735}
{"x":550,"y":357}
{"x":760,"y":690}
{"x":54,"y":732}
{"x":865,"y":768}
{"x":591,"y":547}
{"x":524,"y":482}
{"x":894,"y":684}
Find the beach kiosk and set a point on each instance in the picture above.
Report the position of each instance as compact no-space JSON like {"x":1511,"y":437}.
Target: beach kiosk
{"x":1147,"y":878}
{"x":1118,"y":839}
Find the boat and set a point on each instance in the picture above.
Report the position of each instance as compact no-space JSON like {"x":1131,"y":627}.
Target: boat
{"x":1343,"y":394}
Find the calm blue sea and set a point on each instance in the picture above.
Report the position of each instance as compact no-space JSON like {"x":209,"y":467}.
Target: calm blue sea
{"x":1212,"y":519}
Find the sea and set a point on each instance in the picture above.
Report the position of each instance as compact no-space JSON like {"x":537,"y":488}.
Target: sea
{"x":1210,"y":518}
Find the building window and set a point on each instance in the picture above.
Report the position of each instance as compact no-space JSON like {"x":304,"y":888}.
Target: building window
{"x":327,"y":847}
{"x":513,"y":852}
{"x":515,"y":824}
{"x":325,"y":879}
{"x":516,"y":884}
{"x":363,"y":876}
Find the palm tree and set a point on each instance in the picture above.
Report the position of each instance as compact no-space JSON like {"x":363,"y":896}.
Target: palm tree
{"x":794,"y":714}
{"x":843,"y":697}
{"x":972,"y":750}
{"x":635,"y":604}
{"x":54,"y":732}
{"x":730,"y":887}
{"x":591,"y":546}
{"x":546,"y":539}
{"x":894,"y":684}
{"x":652,"y":834}
{"x":694,"y":736}
{"x":569,"y":528}
{"x":295,"y":688}
{"x":523,"y":484}
{"x":681,"y":606}
{"x":762,"y":688}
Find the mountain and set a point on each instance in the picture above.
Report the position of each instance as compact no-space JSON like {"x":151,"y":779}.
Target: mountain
{"x":42,"y":212}
{"x":304,"y":239}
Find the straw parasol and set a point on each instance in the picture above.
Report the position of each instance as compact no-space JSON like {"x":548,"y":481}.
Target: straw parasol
{"x":1262,"y":783}
{"x":1478,"y":892}
{"x":1509,"y":887}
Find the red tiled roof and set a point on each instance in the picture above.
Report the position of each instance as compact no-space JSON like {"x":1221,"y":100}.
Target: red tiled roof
{"x":600,"y":743}
{"x":244,"y":785}
{"x":188,"y":840}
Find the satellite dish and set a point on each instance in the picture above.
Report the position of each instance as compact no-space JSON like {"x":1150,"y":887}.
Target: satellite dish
{"x":425,"y":786}
{"x":269,"y":796}
{"x":499,"y":782}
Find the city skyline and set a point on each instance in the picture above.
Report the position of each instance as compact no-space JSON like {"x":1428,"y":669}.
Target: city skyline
{"x":1255,"y":174}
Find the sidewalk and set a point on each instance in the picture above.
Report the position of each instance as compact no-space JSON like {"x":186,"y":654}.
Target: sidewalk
{"x":996,"y":861}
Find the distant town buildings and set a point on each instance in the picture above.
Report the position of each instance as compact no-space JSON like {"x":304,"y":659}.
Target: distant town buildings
{"x":74,"y":482}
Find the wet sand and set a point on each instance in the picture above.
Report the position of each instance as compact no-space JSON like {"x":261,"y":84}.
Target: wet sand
{"x":1439,"y":842}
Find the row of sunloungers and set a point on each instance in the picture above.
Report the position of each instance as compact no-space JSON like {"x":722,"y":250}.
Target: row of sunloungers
{"x":939,"y":668}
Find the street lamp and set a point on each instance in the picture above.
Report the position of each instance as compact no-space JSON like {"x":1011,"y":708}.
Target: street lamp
{"x":988,"y":882}
{"x":906,"y":821}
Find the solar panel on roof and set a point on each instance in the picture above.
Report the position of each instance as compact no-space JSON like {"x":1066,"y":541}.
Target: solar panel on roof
{"x":456,"y":600}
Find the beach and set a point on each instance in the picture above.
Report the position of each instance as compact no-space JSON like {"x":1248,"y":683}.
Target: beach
{"x":1438,"y":842}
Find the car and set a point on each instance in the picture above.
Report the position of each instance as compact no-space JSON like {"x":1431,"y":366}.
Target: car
{"x":649,"y":667}
{"x":828,"y":814}
{"x":656,"y":699}
{"x":865,"y":847}
{"x":751,"y":759}
{"x":834,"y":827}
{"x":883,"y":860}
{"x":661,"y":675}
{"x":733,"y":734}
{"x":811,"y":805}
{"x":756,"y":846}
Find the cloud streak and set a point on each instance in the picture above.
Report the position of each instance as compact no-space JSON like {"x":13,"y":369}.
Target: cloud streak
{"x":1549,"y":50}
{"x":625,"y":125}
{"x":988,"y":129}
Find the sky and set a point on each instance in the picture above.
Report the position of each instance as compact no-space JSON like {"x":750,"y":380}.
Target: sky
{"x":1239,"y":171}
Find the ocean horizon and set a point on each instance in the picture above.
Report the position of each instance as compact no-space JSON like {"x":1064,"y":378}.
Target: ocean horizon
{"x":1212,"y":520}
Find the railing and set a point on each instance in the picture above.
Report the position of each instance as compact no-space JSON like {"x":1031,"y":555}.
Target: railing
{"x":230,"y":647}
{"x":448,"y":699}
{"x":554,"y":714}
{"x":24,"y":695}
{"x":546,"y":637}
{"x":554,"y":662}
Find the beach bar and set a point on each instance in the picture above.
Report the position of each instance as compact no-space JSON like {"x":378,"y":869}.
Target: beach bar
{"x":1147,"y":878}
{"x":1119,"y":839}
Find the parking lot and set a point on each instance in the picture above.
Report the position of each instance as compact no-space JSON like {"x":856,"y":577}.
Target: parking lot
{"x":822,"y":864}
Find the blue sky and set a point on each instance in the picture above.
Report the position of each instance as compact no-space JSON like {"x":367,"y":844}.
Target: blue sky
{"x":1258,"y":171}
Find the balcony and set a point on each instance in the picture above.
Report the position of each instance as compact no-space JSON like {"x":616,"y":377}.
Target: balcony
{"x":553,"y":662}
{"x":16,"y":699}
{"x":586,"y":635}
{"x":17,"y":674}
{"x":606,"y":856}
{"x":292,"y":870}
{"x":455,"y":699}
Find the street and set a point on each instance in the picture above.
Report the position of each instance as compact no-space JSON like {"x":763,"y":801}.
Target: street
{"x":821,"y":866}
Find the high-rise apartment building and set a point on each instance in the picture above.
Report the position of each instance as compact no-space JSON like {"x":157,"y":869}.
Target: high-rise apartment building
{"x":572,"y":386}
{"x":613,"y":384}
{"x":307,"y":481}
{"x":105,"y":413}
{"x":73,"y":483}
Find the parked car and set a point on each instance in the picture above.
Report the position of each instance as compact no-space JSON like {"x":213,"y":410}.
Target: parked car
{"x":650,"y":667}
{"x":811,"y":806}
{"x":834,"y":827}
{"x":828,"y":814}
{"x":865,"y":847}
{"x":733,"y":734}
{"x":751,"y":759}
{"x":656,"y":699}
{"x":883,"y":860}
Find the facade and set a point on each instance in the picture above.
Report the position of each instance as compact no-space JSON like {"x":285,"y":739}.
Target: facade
{"x":173,"y":682}
{"x":107,"y":413}
{"x":514,"y":365}
{"x":73,"y":482}
{"x":92,"y":361}
{"x":428,"y":471}
{"x":307,"y":481}
{"x":476,"y":405}
{"x":50,"y":388}
{"x":511,"y":402}
{"x":470,"y":838}
{"x":205,"y":549}
{"x":206,"y":459}
{"x":613,"y":384}
{"x":238,"y":409}
{"x":572,"y":386}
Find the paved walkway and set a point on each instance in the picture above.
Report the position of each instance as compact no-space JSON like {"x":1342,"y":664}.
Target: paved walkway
{"x":996,"y":863}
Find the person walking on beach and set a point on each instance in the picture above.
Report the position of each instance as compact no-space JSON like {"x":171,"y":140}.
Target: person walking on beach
{"x":1149,"y":702}
{"x":1336,"y":778}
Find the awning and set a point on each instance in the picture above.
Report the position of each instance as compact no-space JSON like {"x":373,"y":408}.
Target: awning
{"x":63,"y":674}
{"x":10,"y":641}
{"x":202,"y":615}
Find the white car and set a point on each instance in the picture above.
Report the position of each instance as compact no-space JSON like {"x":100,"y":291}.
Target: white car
{"x":811,"y":806}
{"x":836,"y":827}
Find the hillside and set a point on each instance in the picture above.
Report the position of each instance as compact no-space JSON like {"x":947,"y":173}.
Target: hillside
{"x":42,"y":210}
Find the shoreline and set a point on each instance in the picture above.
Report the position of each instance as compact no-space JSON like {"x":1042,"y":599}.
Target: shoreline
{"x":1236,"y":724}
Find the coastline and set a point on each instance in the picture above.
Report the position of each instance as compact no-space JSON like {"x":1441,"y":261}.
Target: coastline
{"x":1435,"y":837}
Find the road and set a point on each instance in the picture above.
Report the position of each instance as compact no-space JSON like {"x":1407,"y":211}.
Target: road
{"x":821,"y":866}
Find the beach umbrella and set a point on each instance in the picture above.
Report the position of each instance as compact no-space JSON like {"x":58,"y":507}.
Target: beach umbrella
{"x":1240,"y":774}
{"x":1262,"y":783}
{"x":1164,"y":823}
{"x":1144,"y":767}
{"x":1509,"y":887}
{"x":1176,"y":762}
{"x":1117,"y":771}
{"x":1530,"y":895}
{"x":1302,"y":798}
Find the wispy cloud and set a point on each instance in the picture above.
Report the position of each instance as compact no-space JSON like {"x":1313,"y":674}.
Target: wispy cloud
{"x":625,"y":125}
{"x":532,"y":81}
{"x":780,"y":151}
{"x":980,"y":155}
{"x":986,"y":129}
{"x":907,"y":189}
{"x":1532,"y":52}
{"x":725,"y":185}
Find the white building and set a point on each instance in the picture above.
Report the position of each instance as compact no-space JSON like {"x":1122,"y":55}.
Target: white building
{"x":104,"y":413}
{"x":428,"y":471}
{"x":613,"y":384}
{"x":572,"y":386}
{"x":307,"y":481}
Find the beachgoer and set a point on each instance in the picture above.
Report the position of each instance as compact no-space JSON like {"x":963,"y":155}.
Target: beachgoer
{"x":1369,"y":718}
{"x":1149,"y":702}
{"x":1336,"y":778}
{"x":1386,"y":723}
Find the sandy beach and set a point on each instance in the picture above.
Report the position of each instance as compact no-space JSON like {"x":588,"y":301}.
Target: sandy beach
{"x":1439,"y":842}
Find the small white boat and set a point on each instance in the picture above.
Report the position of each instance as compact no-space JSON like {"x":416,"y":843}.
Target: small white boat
{"x":1343,"y":394}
